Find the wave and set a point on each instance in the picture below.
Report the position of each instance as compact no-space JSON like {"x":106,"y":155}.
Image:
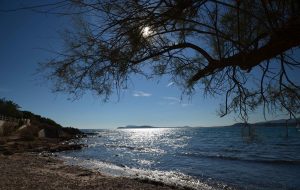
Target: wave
{"x":133,"y":148}
{"x":172,"y":178}
{"x":227,"y":157}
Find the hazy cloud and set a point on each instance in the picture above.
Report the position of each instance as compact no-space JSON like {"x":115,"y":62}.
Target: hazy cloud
{"x":141,"y":94}
{"x":173,"y":100}
{"x":170,"y":84}
{"x":185,"y":105}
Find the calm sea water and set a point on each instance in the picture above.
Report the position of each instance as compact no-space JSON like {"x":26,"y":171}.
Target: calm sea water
{"x":202,"y":158}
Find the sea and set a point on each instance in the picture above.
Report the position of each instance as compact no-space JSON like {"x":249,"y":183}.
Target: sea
{"x":196,"y":158}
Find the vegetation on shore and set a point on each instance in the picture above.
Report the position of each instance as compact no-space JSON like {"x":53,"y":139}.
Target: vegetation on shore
{"x":11,"y":109}
{"x":23,"y":131}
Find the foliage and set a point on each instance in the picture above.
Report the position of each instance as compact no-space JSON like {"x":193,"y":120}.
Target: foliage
{"x":242,"y":50}
{"x":10,"y":109}
{"x":37,"y":119}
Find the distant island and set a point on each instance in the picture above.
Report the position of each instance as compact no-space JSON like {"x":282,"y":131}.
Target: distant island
{"x":146,"y":127}
{"x":271,"y":123}
{"x":136,"y":127}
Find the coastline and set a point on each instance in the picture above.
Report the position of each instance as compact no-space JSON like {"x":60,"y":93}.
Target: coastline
{"x":45,"y":171}
{"x":27,"y":161}
{"x":31,"y":164}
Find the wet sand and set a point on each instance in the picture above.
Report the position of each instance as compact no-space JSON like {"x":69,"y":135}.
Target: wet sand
{"x":41,"y":171}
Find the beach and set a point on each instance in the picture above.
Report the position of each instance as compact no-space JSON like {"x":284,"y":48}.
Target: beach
{"x":45,"y":171}
{"x":36,"y":164}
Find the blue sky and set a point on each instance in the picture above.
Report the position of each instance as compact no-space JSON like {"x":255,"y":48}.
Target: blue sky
{"x":24,"y":36}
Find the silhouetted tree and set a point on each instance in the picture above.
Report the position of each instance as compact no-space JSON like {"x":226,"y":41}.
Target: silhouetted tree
{"x":9,"y":108}
{"x":242,"y":49}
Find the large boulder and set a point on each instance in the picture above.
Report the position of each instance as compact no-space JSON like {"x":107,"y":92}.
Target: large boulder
{"x":72,"y":131}
{"x":49,"y":132}
{"x":23,"y":127}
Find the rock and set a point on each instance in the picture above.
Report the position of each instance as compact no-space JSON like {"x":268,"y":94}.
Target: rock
{"x":64,"y":147}
{"x":64,"y":135}
{"x":49,"y":133}
{"x":7,"y":152}
{"x":1,"y":130}
{"x":23,"y":127}
{"x":71,"y":131}
{"x":2,"y":126}
{"x":54,"y":132}
{"x":26,"y":133}
{"x":6,"y":128}
{"x":83,"y":174}
{"x":14,"y":138}
{"x":42,"y":133}
{"x":122,"y":165}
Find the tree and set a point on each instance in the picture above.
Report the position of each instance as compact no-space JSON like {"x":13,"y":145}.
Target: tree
{"x":244,"y":50}
{"x":9,"y":108}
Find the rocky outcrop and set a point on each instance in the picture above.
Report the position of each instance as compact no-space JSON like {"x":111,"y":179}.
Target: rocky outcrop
{"x":55,"y":132}
{"x":16,"y":145}
{"x":49,"y":133}
{"x":34,"y":138}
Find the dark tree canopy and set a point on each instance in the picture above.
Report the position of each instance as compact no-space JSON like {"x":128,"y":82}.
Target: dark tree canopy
{"x":9,"y":108}
{"x":244,"y":50}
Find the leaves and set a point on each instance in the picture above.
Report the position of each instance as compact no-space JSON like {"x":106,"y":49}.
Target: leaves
{"x":223,"y":44}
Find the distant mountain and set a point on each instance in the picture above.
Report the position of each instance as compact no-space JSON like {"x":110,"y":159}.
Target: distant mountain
{"x":136,"y":127}
{"x":186,"y":126}
{"x":272,"y":123}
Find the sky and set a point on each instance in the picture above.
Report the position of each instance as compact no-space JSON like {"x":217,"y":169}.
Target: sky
{"x":26,"y":37}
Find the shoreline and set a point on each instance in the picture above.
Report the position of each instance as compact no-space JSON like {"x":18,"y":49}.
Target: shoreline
{"x":44,"y":171}
{"x":32,"y":164}
{"x":167,"y":178}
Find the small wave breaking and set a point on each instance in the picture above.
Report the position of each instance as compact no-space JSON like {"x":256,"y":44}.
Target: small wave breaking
{"x":228,"y":157}
{"x":172,"y":178}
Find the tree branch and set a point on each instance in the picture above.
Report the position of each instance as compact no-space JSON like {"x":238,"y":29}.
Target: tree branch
{"x":173,"y":47}
{"x":282,"y":40}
